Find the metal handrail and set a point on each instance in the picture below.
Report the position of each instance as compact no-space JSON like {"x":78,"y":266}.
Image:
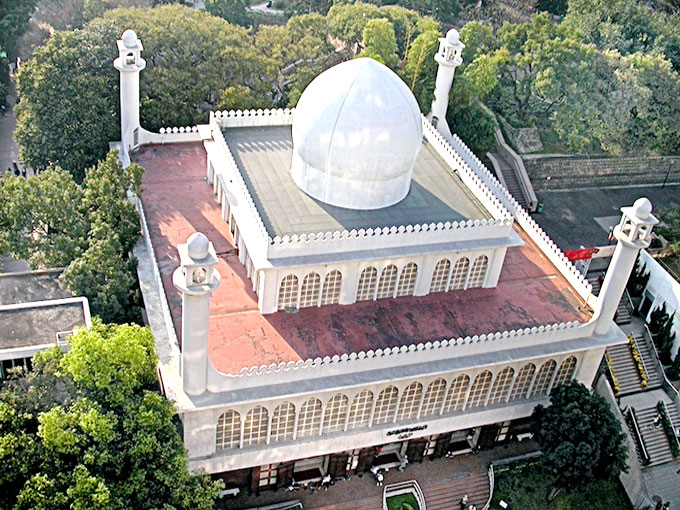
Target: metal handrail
{"x":659,"y":364}
{"x":638,"y":435}
{"x":630,"y":301}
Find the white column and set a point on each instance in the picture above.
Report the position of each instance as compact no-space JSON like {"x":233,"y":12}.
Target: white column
{"x":633,"y":234}
{"x":449,"y":58}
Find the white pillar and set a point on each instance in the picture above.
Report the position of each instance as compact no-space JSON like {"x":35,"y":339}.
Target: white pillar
{"x":129,"y":63}
{"x":448,"y":57}
{"x":196,"y":279}
{"x":633,"y":234}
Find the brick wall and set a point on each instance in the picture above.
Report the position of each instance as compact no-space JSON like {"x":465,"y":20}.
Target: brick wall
{"x":556,"y":172}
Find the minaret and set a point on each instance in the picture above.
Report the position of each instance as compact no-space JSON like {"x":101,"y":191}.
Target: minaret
{"x":633,"y":234}
{"x":129,"y":63}
{"x":448,"y":57}
{"x":196,"y":278}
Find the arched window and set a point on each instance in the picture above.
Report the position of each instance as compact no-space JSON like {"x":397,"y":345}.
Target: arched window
{"x":283,"y":422}
{"x":228,"y":430}
{"x":407,"y":280}
{"x":367,"y":282}
{"x":410,"y":401}
{"x":309,"y":420}
{"x":311,"y":287}
{"x":255,"y":426}
{"x":501,"y":386}
{"x":360,"y":411}
{"x":288,"y":292}
{"x":336,"y":413}
{"x":478,"y":272}
{"x":479,"y":390}
{"x":440,"y":276}
{"x":459,"y":274}
{"x":434,"y":398}
{"x":332,"y":285}
{"x":566,"y":371}
{"x":522,"y":382}
{"x":385,"y":406}
{"x":388,"y":281}
{"x":543,"y":379}
{"x":455,"y":398}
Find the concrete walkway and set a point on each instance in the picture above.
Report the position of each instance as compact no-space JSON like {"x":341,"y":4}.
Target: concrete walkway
{"x":9,"y":151}
{"x":443,"y":481}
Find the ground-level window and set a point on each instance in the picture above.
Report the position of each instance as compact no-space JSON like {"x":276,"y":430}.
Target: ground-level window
{"x":268,"y":474}
{"x":9,"y":364}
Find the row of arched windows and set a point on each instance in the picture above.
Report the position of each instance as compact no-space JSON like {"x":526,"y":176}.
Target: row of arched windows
{"x":388,"y":283}
{"x":415,"y":401}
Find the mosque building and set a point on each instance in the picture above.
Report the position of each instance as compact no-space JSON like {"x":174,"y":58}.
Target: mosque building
{"x":345,"y":284}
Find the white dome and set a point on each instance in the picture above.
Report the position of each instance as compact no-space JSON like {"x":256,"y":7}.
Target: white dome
{"x":198,"y":246}
{"x":642,"y":208}
{"x":452,"y":36}
{"x":129,"y":38}
{"x":356,"y":135}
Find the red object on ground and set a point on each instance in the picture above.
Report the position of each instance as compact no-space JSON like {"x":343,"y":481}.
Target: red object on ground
{"x":584,"y":254}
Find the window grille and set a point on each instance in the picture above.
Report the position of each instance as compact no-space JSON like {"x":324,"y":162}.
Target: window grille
{"x":283,"y":422}
{"x":288,"y":292}
{"x":440,"y":276}
{"x":501,"y":386}
{"x":478,"y":272}
{"x":228,"y":430}
{"x":410,"y":401}
{"x":360,"y":411}
{"x":309,"y":420}
{"x":311,"y":287}
{"x":388,"y":281}
{"x":332,"y":285}
{"x":566,"y":371}
{"x":385,"y":406}
{"x":255,"y":426}
{"x":434,"y":398}
{"x":479,"y":390}
{"x":268,"y":474}
{"x":456,"y":395}
{"x":459,"y":274}
{"x":407,"y":280}
{"x":543,"y":378}
{"x":522,"y":382}
{"x":336,"y":414}
{"x":367,"y":281}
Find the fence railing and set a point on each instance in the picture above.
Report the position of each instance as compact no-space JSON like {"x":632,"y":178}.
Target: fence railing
{"x":637,"y":435}
{"x":491,"y":482}
{"x":396,"y":489}
{"x":665,"y":382}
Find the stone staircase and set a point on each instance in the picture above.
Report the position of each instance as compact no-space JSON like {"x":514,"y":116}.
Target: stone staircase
{"x":624,"y":368}
{"x":509,"y":179}
{"x":654,"y":438}
{"x":622,"y":311}
{"x":653,"y":376}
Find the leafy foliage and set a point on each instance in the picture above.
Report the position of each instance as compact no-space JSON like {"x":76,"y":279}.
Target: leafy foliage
{"x":580,"y":438}
{"x":670,"y":227}
{"x":661,"y":328}
{"x":84,"y":430}
{"x":234,"y":11}
{"x":638,"y":279}
{"x":379,"y":42}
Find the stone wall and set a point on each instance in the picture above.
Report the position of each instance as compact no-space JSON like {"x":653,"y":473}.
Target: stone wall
{"x":565,"y":172}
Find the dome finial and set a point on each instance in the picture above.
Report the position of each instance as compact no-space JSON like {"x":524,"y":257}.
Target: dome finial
{"x":129,"y":38}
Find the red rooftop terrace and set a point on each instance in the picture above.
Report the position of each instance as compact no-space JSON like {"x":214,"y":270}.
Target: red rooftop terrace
{"x":178,"y":202}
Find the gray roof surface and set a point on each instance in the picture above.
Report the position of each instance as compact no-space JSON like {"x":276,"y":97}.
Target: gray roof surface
{"x":264,"y":155}
{"x":31,"y":286}
{"x":28,"y":326}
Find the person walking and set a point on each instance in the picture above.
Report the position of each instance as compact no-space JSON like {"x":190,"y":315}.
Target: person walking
{"x":464,"y":502}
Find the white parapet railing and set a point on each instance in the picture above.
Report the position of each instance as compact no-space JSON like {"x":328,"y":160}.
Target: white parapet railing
{"x":409,"y":487}
{"x":491,"y":482}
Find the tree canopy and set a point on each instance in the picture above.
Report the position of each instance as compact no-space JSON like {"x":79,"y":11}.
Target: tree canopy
{"x":51,"y":221}
{"x":580,"y":438}
{"x":86,"y":430}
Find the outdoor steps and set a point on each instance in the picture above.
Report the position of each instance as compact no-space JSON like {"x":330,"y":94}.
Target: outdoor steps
{"x":655,"y":439}
{"x":625,"y":369}
{"x":444,"y":495}
{"x":511,"y":182}
{"x":653,"y":376}
{"x":622,"y":315}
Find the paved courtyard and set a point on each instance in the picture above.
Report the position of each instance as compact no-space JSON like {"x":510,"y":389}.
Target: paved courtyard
{"x":443,"y":481}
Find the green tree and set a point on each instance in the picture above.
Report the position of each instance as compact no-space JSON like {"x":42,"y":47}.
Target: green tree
{"x":661,"y":327}
{"x":234,"y":11}
{"x":420,"y":71}
{"x":70,"y":439}
{"x":670,"y":227}
{"x":638,"y":279}
{"x":14,"y":17}
{"x":379,"y":42}
{"x":69,"y":108}
{"x":580,"y":438}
